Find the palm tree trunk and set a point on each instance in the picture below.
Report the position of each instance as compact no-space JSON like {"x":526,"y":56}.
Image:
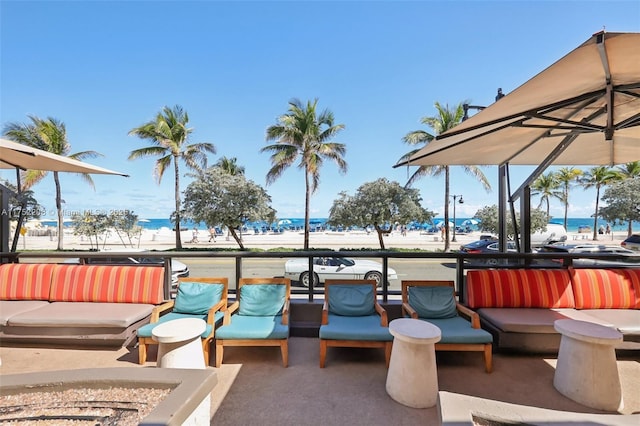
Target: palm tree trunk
{"x":446,"y":209}
{"x":177,"y":196}
{"x":548,"y":210}
{"x":56,"y":179}
{"x":307,"y":196}
{"x":566,"y":203}
{"x":595,"y":216}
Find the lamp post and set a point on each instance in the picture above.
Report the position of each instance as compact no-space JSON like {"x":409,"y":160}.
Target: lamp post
{"x":461,"y":201}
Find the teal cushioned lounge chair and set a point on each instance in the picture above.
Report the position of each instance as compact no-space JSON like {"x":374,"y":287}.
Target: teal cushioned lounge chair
{"x":434,"y":302}
{"x":259,"y":317}
{"x":352,"y":317}
{"x":204,"y":298}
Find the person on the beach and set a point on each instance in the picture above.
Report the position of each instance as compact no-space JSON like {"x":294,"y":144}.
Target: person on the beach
{"x":212,"y":234}
{"x":607,"y":230}
{"x":194,"y":235}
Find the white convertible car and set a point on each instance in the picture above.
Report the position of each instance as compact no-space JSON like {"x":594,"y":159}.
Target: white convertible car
{"x":336,"y":268}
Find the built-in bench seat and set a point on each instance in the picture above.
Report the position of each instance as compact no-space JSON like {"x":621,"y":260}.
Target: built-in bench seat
{"x":69,"y":304}
{"x":519,"y":306}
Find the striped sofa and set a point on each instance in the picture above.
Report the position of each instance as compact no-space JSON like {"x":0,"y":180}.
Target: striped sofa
{"x":62,"y":304}
{"x":519,"y":306}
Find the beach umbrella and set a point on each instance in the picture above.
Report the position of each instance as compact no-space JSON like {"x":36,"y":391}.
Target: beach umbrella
{"x":584,"y":109}
{"x":21,"y":157}
{"x":470,"y":222}
{"x":440,"y":224}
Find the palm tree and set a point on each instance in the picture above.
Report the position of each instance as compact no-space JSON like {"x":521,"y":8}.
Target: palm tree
{"x":48,"y":135}
{"x":597,"y":177}
{"x":547,"y":187}
{"x":303,"y":134}
{"x":446,"y":119}
{"x":169,"y":135}
{"x":230,"y":165}
{"x":566,"y":177}
{"x":629,"y":170}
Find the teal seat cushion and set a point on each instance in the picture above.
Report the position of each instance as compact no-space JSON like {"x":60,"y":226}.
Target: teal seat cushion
{"x":145,"y":330}
{"x":197,"y":298}
{"x":458,"y":330}
{"x":351,"y":300}
{"x":433,"y":302}
{"x":262,"y":300}
{"x":253,"y":327}
{"x":355,"y":328}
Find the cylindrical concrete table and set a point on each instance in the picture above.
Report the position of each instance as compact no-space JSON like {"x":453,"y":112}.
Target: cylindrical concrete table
{"x":180,"y":346}
{"x":412,"y":379}
{"x":587,"y":371}
{"x":179,"y":343}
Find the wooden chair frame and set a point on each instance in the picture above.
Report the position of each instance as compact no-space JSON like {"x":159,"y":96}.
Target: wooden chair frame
{"x":464,"y":311}
{"x":166,"y":307}
{"x":283,"y":343}
{"x":384,"y":321}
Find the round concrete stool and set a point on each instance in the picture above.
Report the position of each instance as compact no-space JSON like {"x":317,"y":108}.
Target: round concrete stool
{"x":179,"y":343}
{"x":586,"y":371}
{"x":412,"y":379}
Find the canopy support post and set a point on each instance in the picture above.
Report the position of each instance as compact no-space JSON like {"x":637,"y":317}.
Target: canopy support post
{"x":503,"y":191}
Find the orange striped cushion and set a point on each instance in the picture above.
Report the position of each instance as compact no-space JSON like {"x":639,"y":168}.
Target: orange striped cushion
{"x":99,"y":283}
{"x":606,"y":288}
{"x":519,"y":288}
{"x":24,"y":281}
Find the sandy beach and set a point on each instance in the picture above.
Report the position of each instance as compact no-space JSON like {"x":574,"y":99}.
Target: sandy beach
{"x":164,"y":239}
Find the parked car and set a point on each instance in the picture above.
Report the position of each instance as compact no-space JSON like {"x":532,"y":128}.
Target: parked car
{"x":487,"y":245}
{"x":327,"y":268}
{"x":554,"y":233}
{"x":178,"y":269}
{"x":629,"y":256}
{"x":632,"y":242}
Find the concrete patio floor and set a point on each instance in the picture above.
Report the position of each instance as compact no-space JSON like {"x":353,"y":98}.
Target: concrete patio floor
{"x":254,"y":388}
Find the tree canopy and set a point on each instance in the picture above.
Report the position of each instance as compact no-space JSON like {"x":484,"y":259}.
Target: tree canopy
{"x":220,"y":198}
{"x":488,"y":217}
{"x":377,"y":204}
{"x":623,"y":203}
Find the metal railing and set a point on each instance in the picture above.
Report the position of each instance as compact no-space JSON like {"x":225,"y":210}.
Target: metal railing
{"x":462,"y":261}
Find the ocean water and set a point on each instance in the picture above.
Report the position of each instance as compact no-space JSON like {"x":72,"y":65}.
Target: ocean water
{"x":573,"y":224}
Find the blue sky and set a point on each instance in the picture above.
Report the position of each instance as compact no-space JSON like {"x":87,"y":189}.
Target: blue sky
{"x":105,"y":67}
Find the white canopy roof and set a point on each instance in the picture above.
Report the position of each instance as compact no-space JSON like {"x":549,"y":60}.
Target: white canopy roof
{"x":15,"y":155}
{"x":582,"y":110}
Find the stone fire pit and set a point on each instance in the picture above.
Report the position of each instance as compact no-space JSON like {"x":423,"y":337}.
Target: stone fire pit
{"x":106,"y":395}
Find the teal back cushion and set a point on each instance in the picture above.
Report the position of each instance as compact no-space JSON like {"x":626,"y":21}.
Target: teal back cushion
{"x":351,"y":300}
{"x":433,"y":302}
{"x":197,"y":298}
{"x":262,"y":299}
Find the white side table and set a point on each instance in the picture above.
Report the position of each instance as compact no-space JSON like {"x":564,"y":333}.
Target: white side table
{"x":412,"y":379}
{"x":179,"y":343}
{"x":586,"y":371}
